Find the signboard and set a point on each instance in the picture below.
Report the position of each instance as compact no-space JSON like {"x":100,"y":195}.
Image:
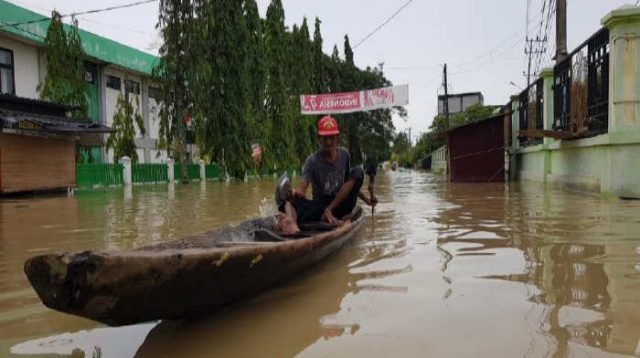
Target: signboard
{"x":349,"y":102}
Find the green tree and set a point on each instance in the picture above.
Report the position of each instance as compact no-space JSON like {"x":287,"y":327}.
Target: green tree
{"x":349,"y":75}
{"x":241,"y":77}
{"x":477,"y":111}
{"x":64,"y":82}
{"x":256,"y":69}
{"x":122,"y":139}
{"x":281,"y":147}
{"x":221,"y":83}
{"x":308,"y":135}
{"x":175,"y":22}
{"x":320,"y":81}
{"x":401,"y":143}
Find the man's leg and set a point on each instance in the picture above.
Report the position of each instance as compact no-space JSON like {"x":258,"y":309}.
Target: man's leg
{"x":303,"y":210}
{"x":287,"y":221}
{"x":353,"y":184}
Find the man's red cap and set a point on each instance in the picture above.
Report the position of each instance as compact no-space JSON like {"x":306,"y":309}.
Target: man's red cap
{"x":328,"y":126}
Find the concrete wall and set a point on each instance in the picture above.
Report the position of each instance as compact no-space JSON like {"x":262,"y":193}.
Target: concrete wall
{"x":530,"y":164}
{"x":606,"y":164}
{"x":26,"y":67}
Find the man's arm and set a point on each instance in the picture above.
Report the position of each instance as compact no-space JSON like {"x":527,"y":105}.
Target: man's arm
{"x":371,"y":200}
{"x":307,"y":176}
{"x":364,"y":198}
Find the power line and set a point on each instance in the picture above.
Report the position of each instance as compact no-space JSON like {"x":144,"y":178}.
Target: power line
{"x":74,"y":14}
{"x":550,"y":19}
{"x":383,"y":24}
{"x":414,"y":68}
{"x":484,"y":63}
{"x":121,"y":28}
{"x":493,"y":49}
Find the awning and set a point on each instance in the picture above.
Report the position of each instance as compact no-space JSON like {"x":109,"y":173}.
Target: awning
{"x":49,"y":123}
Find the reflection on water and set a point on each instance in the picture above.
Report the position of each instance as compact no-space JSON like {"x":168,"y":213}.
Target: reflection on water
{"x":439,"y":270}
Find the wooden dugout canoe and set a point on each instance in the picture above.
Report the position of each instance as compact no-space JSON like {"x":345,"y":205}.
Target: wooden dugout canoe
{"x":180,"y":279}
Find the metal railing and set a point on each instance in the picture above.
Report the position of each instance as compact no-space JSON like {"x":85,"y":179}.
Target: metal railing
{"x":193,"y":171}
{"x":531,"y":112}
{"x":92,"y":174}
{"x":149,"y":173}
{"x":581,"y":88}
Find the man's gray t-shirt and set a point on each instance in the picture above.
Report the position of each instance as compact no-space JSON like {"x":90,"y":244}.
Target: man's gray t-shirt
{"x":326,"y":178}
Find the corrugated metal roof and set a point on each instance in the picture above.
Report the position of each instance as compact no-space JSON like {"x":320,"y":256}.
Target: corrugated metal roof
{"x":95,"y":46}
{"x":48,"y":123}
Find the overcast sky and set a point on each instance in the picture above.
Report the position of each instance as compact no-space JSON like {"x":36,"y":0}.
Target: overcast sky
{"x":481,"y":41}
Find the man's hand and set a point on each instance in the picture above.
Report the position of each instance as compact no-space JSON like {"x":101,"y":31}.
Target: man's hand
{"x":373,"y":201}
{"x":328,"y":217}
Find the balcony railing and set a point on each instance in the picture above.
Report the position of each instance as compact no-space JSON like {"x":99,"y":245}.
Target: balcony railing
{"x":581,"y":88}
{"x":530,"y":113}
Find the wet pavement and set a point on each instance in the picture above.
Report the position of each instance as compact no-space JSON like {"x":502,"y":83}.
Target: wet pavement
{"x":439,"y":270}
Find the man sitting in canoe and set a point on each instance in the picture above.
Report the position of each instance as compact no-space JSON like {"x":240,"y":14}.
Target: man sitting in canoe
{"x":336,"y":187}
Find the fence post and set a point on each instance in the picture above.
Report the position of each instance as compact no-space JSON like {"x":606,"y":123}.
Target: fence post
{"x":203,"y":173}
{"x":170,"y":171}
{"x":624,"y":78}
{"x":515,"y":129}
{"x":515,"y":121}
{"x":547,"y":99}
{"x":126,"y":170}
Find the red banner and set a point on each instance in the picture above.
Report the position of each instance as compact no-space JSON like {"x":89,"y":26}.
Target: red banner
{"x":348,"y":102}
{"x":331,"y":102}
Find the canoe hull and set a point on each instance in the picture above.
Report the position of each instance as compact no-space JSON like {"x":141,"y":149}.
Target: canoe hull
{"x":174,"y":282}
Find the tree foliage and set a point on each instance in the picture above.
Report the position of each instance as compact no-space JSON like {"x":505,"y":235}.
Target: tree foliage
{"x":176,"y":56}
{"x":242,"y":76}
{"x":122,"y":139}
{"x":64,"y":82}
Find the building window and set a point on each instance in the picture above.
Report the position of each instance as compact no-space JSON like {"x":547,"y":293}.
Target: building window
{"x":154,"y":92}
{"x":114,"y":82}
{"x":6,"y":72}
{"x":131,"y":87}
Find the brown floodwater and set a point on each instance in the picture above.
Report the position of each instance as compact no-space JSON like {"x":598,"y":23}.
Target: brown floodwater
{"x":440,"y":270}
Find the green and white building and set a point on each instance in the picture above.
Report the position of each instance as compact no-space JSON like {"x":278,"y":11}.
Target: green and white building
{"x":111,"y":68}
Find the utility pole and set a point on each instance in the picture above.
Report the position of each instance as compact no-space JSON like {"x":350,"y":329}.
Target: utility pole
{"x":446,"y":98}
{"x":530,"y":46}
{"x":533,"y":50}
{"x":561,"y":30}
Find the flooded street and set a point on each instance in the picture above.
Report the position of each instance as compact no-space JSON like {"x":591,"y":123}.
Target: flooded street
{"x":440,"y":270}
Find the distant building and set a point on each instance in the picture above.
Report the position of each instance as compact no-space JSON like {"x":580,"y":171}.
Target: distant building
{"x":459,"y":102}
{"x":111,"y":69}
{"x":476,"y":150}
